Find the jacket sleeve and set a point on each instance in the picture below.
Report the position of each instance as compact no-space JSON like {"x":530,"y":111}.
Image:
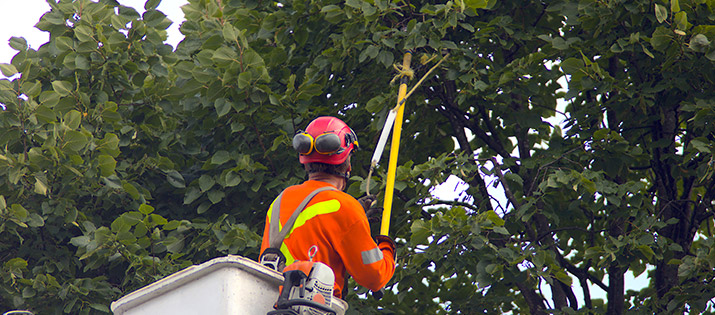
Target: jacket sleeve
{"x":371,"y":266}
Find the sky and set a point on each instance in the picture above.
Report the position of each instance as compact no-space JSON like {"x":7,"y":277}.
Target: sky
{"x":18,"y":18}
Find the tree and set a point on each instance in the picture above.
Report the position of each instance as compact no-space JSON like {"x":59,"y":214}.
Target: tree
{"x":125,"y":160}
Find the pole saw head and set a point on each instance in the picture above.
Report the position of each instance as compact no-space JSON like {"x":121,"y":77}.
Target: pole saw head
{"x":307,"y":288}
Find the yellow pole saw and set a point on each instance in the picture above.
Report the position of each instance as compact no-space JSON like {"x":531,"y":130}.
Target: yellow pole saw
{"x":395,"y":116}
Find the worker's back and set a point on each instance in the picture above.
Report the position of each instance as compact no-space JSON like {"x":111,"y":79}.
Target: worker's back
{"x":336,"y":223}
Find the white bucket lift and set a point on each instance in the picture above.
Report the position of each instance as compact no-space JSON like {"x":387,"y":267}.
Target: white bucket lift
{"x":221,"y":286}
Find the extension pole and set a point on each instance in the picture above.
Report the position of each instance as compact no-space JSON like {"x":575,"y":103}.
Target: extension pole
{"x":394,"y":149}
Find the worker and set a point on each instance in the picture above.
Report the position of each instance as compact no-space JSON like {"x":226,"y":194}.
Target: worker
{"x":332,"y":220}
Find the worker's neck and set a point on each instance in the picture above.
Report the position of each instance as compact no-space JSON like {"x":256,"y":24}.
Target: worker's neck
{"x":335,"y":180}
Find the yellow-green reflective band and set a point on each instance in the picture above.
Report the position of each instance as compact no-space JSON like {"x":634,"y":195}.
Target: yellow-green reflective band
{"x":323,"y":207}
{"x":287,"y":254}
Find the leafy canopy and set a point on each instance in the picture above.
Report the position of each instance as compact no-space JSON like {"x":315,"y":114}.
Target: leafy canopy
{"x":123,"y":159}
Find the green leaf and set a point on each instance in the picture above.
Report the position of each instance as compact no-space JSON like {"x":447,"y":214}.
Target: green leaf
{"x":476,"y":4}
{"x":172,"y":225}
{"x":119,"y":225}
{"x":74,"y":141}
{"x":420,"y":232}
{"x":701,"y":145}
{"x":563,"y":277}
{"x":84,"y":33}
{"x":98,"y":306}
{"x":16,"y":263}
{"x":7,"y":69}
{"x":514,"y":178}
{"x":18,"y":43}
{"x":63,"y":88}
{"x":49,"y":98}
{"x":132,"y":217}
{"x":146,"y":209}
{"x":131,"y":190}
{"x":370,"y":52}
{"x":495,"y":218}
{"x":215,"y":196}
{"x":356,"y":4}
{"x":64,"y":43}
{"x":159,"y":70}
{"x":45,"y":114}
{"x":155,"y":19}
{"x":126,"y":237}
{"x":224,"y":55}
{"x":572,"y":66}
{"x":681,"y":20}
{"x":647,"y":52}
{"x":157,"y":219}
{"x":674,"y":6}
{"x":661,"y":38}
{"x":646,"y":251}
{"x":109,"y":145}
{"x":151,"y":4}
{"x":41,"y":185}
{"x":244,"y":80}
{"x":310,"y":90}
{"x":19,"y":212}
{"x":35,"y":220}
{"x":175,"y":179}
{"x":661,"y":13}
{"x":501,"y":230}
{"x":112,"y":181}
{"x":32,"y":88}
{"x":206,"y":182}
{"x":220,"y":157}
{"x":252,"y":59}
{"x":386,"y":58}
{"x":72,"y":119}
{"x":222,"y":106}
{"x":232,"y":179}
{"x":699,"y":43}
{"x":230,"y":34}
{"x":368,"y":9}
{"x":140,"y":229}
{"x":80,"y":241}
{"x":333,"y":13}
{"x":81,"y":62}
{"x":191,"y":194}
{"x":107,"y":164}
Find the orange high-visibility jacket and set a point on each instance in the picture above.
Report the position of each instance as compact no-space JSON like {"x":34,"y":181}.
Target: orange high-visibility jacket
{"x":336,"y":223}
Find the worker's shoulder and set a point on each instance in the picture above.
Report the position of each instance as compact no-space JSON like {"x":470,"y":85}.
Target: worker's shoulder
{"x":337,"y":194}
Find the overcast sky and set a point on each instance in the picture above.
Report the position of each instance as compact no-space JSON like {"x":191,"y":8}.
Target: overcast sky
{"x":18,"y":18}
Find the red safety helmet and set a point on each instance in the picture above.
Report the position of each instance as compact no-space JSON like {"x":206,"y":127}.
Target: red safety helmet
{"x":326,"y":140}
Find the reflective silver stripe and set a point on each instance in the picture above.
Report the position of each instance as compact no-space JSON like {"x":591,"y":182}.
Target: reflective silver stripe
{"x":371,"y":256}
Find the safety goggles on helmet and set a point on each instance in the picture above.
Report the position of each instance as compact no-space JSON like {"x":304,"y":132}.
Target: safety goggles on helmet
{"x":327,"y":143}
{"x":326,"y":140}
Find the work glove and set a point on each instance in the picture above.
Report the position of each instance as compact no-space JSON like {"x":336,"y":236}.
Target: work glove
{"x":385,"y":242}
{"x":368,"y":204}
{"x":367,"y":201}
